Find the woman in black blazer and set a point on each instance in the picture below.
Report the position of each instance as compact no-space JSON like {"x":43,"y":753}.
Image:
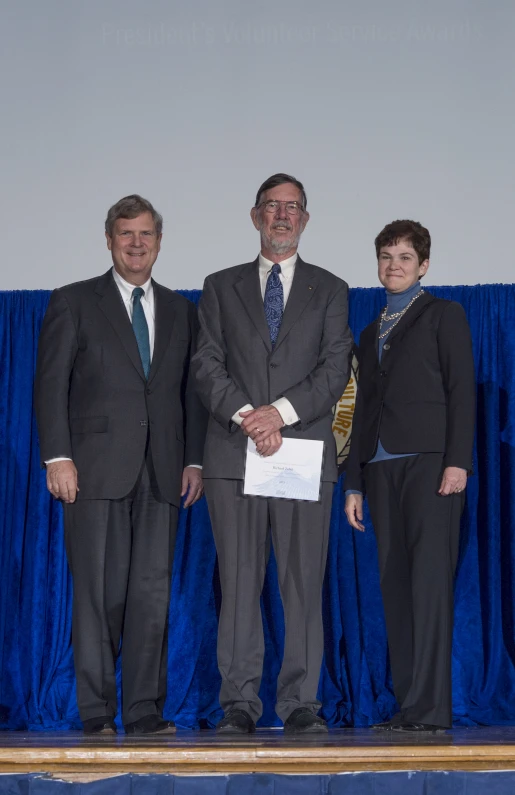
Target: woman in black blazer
{"x":411,"y":453}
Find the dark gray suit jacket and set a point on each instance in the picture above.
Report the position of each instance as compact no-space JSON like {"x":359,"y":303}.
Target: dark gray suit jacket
{"x":235,"y":363}
{"x":93,"y":403}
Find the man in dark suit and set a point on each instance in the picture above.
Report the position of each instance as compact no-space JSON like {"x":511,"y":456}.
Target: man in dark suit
{"x":411,"y":451}
{"x":272,"y":361}
{"x":118,"y":418}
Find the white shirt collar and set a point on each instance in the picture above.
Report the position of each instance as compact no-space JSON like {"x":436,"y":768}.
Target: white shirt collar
{"x":287,"y":265}
{"x":126,"y":288}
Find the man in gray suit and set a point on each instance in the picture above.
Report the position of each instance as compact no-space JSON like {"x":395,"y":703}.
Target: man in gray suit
{"x":118,"y":419}
{"x":272,"y":360}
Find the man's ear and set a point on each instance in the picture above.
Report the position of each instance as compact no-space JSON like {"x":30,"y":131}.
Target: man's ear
{"x":254,"y":214}
{"x":304,"y":220}
{"x":109,"y":241}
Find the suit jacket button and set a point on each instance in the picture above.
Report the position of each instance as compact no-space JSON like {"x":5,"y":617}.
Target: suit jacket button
{"x":273,"y":364}
{"x":386,"y":346}
{"x":383,"y":373}
{"x":149,"y":391}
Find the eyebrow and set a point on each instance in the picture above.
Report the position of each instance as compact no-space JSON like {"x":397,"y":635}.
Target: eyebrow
{"x":136,"y":230}
{"x":401,"y":254}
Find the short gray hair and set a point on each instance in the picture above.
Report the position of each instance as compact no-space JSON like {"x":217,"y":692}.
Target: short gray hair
{"x":281,"y":179}
{"x":130,"y":207}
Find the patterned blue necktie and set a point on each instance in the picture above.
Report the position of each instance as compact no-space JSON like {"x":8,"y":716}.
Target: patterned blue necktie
{"x":140,"y":326}
{"x":274,"y":302}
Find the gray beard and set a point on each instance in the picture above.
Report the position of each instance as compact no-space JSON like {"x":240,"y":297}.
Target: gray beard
{"x":279,"y":246}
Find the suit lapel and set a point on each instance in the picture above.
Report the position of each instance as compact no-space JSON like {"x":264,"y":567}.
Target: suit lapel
{"x":303,"y":288}
{"x":248,"y":288}
{"x":410,"y":317}
{"x":111,"y":304}
{"x":164,"y":323}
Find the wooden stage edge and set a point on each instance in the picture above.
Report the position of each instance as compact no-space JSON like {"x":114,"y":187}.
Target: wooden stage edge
{"x":73,"y":756}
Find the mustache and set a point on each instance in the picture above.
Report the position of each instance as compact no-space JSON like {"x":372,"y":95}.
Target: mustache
{"x":286,"y":224}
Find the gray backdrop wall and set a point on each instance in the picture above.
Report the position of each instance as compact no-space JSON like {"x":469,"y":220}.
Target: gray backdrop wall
{"x":385,"y":109}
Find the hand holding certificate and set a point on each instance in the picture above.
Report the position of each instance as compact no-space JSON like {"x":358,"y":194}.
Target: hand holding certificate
{"x":294,"y":472}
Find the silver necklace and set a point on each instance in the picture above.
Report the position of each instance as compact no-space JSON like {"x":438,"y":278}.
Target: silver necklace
{"x":395,"y":315}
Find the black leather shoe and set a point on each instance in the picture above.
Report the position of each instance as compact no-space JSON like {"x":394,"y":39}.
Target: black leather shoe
{"x":237,"y":721}
{"x":419,"y":728}
{"x":102,"y":725}
{"x":150,"y":724}
{"x":387,"y":725}
{"x":303,"y":721}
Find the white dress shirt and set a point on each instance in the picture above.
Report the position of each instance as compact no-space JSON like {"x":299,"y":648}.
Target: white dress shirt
{"x":147,"y":302}
{"x":283,"y":405}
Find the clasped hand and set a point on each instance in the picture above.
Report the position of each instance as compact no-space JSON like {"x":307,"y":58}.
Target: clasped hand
{"x":263,"y":425}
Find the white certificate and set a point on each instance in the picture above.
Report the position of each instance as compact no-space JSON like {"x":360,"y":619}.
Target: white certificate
{"x":294,"y":472}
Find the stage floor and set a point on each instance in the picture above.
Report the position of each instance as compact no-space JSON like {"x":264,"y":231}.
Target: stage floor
{"x":75,"y":757}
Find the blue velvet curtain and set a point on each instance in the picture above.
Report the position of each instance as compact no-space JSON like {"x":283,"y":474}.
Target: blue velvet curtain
{"x":37,"y":689}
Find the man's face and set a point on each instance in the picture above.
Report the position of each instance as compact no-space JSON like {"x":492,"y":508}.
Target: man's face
{"x":280,"y":230}
{"x":398,"y":266}
{"x":134,"y":247}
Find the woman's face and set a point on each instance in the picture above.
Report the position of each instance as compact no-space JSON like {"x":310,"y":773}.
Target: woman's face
{"x":399,"y":268}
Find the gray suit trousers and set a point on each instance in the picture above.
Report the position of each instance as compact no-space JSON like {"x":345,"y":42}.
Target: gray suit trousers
{"x":299,"y":534}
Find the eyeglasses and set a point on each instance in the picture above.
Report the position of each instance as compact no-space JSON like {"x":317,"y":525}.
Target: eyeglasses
{"x":292,"y":208}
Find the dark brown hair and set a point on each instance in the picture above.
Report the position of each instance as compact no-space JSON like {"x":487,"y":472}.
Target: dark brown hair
{"x":281,"y":179}
{"x":130,"y":207}
{"x":416,"y":235}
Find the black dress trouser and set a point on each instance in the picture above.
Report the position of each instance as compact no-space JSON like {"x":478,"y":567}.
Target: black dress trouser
{"x":417,"y":534}
{"x":120,"y":554}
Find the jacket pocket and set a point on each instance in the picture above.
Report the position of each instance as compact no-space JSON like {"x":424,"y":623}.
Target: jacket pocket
{"x":89,"y":424}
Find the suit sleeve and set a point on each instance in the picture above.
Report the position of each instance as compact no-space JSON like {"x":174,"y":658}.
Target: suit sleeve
{"x":315,"y":395}
{"x":354,"y":480}
{"x":219,"y":393}
{"x":57,"y":349}
{"x":196,"y":414}
{"x":457,"y":365}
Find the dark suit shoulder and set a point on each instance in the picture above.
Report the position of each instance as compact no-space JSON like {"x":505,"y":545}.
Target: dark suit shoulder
{"x":173,"y":295}
{"x":446,"y":304}
{"x":441,"y":306}
{"x":230,"y":274}
{"x":324,"y":275}
{"x":74,"y":288}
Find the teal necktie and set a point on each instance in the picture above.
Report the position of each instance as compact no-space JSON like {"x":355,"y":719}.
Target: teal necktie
{"x":140,"y":326}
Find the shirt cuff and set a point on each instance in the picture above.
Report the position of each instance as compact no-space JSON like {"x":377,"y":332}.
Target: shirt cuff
{"x":53,"y":460}
{"x":286,"y":410}
{"x":195,"y":466}
{"x":352,"y":491}
{"x":236,"y":417}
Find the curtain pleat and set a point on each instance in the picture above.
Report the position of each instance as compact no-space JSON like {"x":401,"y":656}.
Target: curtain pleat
{"x":37,"y":686}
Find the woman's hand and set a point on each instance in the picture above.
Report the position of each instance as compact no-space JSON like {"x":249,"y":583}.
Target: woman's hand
{"x":354,"y":511}
{"x":454,"y":481}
